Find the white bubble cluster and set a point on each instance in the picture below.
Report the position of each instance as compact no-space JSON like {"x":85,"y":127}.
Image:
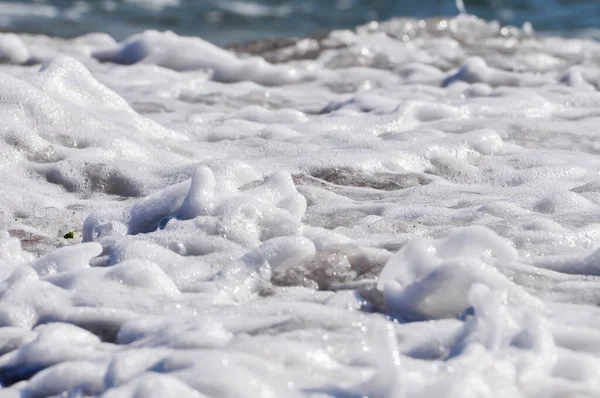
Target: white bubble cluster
{"x":408,"y":209}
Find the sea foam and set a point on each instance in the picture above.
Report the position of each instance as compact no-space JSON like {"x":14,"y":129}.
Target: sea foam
{"x":406,"y":209}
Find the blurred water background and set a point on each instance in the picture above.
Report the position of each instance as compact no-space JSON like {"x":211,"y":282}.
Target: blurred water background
{"x":235,"y":21}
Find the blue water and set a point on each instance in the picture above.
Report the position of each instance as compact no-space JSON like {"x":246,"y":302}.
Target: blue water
{"x":229,"y":21}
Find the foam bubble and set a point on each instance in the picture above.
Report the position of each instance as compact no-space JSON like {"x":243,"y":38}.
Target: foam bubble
{"x":407,"y":209}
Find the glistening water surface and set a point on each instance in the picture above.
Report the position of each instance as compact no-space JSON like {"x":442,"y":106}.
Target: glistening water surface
{"x":235,"y":21}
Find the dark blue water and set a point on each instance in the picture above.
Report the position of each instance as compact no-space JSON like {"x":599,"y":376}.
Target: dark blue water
{"x":228,"y":21}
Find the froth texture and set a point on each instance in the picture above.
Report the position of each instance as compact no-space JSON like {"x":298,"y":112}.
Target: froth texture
{"x":407,"y":209}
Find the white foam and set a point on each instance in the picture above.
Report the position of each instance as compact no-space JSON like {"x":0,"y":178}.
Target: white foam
{"x":188,"y":53}
{"x":410,"y":213}
{"x":12,"y":49}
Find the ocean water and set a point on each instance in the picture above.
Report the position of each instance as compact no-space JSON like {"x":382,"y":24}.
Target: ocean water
{"x":236,"y":21}
{"x":407,"y":208}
